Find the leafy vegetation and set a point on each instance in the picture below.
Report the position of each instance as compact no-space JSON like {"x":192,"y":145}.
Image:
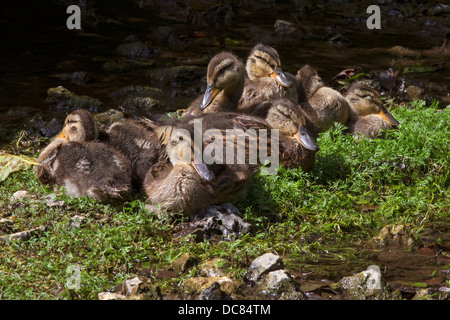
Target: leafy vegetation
{"x":355,"y":188}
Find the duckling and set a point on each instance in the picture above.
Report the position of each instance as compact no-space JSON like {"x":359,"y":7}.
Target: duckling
{"x":139,"y":143}
{"x":266,"y":80}
{"x":297,"y":132}
{"x":324,"y":105}
{"x":85,"y":167}
{"x":368,"y":116}
{"x":185,"y":184}
{"x":225,"y":82}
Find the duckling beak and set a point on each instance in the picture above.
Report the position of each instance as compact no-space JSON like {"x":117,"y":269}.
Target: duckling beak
{"x":203,"y":171}
{"x":210,"y":93}
{"x":61,"y":135}
{"x":305,"y":139}
{"x":281,"y":78}
{"x":384,"y":113}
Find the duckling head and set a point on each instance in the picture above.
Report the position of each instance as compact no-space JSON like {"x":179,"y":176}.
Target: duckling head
{"x":226,"y":74}
{"x":264,"y":61}
{"x":79,"y":126}
{"x":364,"y":100}
{"x":286,"y":116}
{"x":181,"y":150}
{"x":308,"y":81}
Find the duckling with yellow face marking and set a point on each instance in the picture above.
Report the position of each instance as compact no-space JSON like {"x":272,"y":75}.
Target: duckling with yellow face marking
{"x":83,"y":166}
{"x":266,"y":79}
{"x":368,"y":116}
{"x":225,"y":81}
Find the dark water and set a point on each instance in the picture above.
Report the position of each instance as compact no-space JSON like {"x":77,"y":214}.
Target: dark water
{"x":37,"y":47}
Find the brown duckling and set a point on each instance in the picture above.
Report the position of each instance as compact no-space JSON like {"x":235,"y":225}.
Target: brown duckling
{"x":85,"y":167}
{"x":324,"y":105}
{"x":266,"y":80}
{"x":225,"y":82}
{"x":297,"y":134}
{"x":368,"y":116}
{"x":187,"y":184}
{"x":138,"y":142}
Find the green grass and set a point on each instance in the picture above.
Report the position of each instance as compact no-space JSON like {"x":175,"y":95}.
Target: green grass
{"x":355,"y":188}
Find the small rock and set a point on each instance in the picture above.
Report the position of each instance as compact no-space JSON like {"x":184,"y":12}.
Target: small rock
{"x":211,"y":269}
{"x":110,"y":296}
{"x":283,"y":27}
{"x":61,"y":99}
{"x":107,"y":118}
{"x":367,"y":285}
{"x":196,"y":286}
{"x":279,"y":284}
{"x":414,"y":93}
{"x":213,"y":292}
{"x":262,"y":265}
{"x":18,"y":195}
{"x":440,"y":9}
{"x":77,"y":221}
{"x":50,"y":201}
{"x":131,"y":286}
{"x":388,"y":79}
{"x":138,"y":100}
{"x":177,"y":74}
{"x":393,"y":235}
{"x":221,"y":220}
{"x":184,"y":262}
{"x":132,"y":48}
{"x":139,"y":106}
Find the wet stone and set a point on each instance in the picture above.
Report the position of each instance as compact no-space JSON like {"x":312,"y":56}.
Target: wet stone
{"x":414,"y":93}
{"x":204,"y":288}
{"x":366,"y":285}
{"x":222,"y":220}
{"x":177,"y":74}
{"x":262,"y":265}
{"x":107,"y":118}
{"x":211,"y":269}
{"x":393,"y":235}
{"x":184,"y":262}
{"x":132,"y":48}
{"x":61,"y":99}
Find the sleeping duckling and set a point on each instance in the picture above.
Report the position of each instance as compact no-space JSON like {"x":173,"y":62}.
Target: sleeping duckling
{"x":324,"y":104}
{"x":266,"y":80}
{"x":139,"y":143}
{"x":297,"y":134}
{"x":85,"y":167}
{"x":225,"y":81}
{"x":368,"y":116}
{"x":183,"y":183}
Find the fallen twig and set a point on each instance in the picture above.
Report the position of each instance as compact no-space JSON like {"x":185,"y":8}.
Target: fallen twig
{"x":23,"y":235}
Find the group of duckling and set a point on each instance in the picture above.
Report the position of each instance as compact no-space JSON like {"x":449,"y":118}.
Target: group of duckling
{"x":158,"y":156}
